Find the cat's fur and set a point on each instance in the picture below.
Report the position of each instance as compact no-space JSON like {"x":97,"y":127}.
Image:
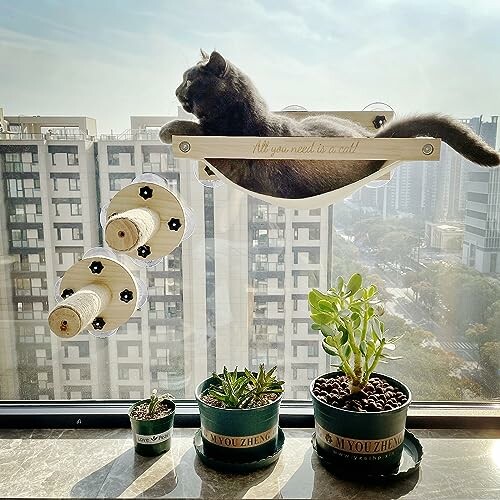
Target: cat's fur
{"x":226,"y":103}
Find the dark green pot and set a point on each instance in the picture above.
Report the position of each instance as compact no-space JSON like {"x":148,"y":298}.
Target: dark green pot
{"x":370,"y":442}
{"x":238,"y":435}
{"x":153,"y":437}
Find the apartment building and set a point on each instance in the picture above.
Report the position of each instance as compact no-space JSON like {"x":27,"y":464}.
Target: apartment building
{"x":481,"y":249}
{"x":235,"y":293}
{"x":164,"y":344}
{"x":49,"y":215}
{"x":413,"y":189}
{"x":288,"y":255}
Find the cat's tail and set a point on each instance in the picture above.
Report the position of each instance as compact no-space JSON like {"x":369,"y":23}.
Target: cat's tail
{"x":460,"y":137}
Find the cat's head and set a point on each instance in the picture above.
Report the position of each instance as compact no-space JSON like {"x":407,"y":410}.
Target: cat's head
{"x":213,"y":87}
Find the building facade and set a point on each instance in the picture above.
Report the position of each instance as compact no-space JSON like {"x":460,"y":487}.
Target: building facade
{"x":235,"y":293}
{"x":481,"y":249}
{"x":50,"y":218}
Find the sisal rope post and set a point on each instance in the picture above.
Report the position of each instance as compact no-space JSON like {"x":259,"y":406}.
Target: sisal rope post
{"x":129,"y":230}
{"x":77,"y":311}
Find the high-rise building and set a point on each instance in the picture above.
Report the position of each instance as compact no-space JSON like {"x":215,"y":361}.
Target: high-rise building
{"x":235,"y":293}
{"x":481,"y":248}
{"x":164,"y":343}
{"x":288,"y":255}
{"x":48,"y":172}
{"x":450,"y":192}
{"x":411,"y":190}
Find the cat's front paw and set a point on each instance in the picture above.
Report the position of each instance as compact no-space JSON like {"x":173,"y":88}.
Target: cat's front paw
{"x":166,"y":133}
{"x":178,"y":127}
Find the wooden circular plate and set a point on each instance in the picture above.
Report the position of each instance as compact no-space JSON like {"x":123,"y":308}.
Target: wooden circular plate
{"x":166,"y":204}
{"x":119,"y":280}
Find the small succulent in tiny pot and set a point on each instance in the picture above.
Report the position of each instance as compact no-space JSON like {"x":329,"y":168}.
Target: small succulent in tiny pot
{"x":359,"y":415}
{"x":152,"y":422}
{"x":239,"y":414}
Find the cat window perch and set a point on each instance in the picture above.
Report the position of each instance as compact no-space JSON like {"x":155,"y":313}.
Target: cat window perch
{"x":390,"y":150}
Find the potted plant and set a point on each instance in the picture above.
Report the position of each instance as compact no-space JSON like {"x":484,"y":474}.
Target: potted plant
{"x":152,"y":422}
{"x":239,"y":414}
{"x":359,"y":415}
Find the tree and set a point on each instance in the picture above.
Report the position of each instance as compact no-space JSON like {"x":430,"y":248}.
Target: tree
{"x":428,"y":294}
{"x":478,"y":334}
{"x":430,"y":372}
{"x":463,"y":293}
{"x":493,"y":322}
{"x":345,"y":258}
{"x":490,"y":361}
{"x":396,"y":246}
{"x":374,"y":229}
{"x":490,"y":356}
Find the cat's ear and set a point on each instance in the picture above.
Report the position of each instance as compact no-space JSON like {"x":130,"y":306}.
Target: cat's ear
{"x":204,"y":55}
{"x":216,"y":64}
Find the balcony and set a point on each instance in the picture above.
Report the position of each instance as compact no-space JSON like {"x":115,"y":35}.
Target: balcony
{"x":131,"y":135}
{"x":26,"y":136}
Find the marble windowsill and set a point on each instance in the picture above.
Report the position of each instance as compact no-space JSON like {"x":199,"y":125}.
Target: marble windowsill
{"x":102,"y":463}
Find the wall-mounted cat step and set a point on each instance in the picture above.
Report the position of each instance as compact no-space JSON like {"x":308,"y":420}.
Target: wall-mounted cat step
{"x":146,"y":220}
{"x":390,"y":151}
{"x":97,"y":293}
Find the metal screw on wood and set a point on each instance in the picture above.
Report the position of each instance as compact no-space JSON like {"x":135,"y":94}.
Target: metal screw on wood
{"x":174,"y":224}
{"x":98,"y":323}
{"x":96,"y":267}
{"x":146,"y":192}
{"x":126,"y":295}
{"x":379,"y":120}
{"x":143,"y":251}
{"x":67,"y":292}
{"x":428,"y":149}
{"x":184,"y":146}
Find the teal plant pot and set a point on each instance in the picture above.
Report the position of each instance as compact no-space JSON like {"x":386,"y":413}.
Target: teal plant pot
{"x":153,"y":437}
{"x":238,"y":435}
{"x":370,"y":442}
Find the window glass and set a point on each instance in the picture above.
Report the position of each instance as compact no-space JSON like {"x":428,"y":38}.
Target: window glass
{"x":236,"y":292}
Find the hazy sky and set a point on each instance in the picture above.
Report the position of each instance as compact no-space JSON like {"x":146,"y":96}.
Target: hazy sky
{"x":112,"y":59}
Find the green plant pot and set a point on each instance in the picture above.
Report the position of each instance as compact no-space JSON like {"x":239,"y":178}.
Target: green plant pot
{"x":369,"y":442}
{"x":153,"y":437}
{"x":238,"y":435}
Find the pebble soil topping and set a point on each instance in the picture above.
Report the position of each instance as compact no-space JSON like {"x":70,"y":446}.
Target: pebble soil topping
{"x":377,"y":395}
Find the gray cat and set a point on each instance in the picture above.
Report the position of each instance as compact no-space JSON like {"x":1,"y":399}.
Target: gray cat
{"x":226,"y":103}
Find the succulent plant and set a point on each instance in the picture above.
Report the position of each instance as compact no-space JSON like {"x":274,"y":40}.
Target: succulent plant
{"x":348,"y":316}
{"x":246,"y":389}
{"x":263,"y":383}
{"x":155,"y":401}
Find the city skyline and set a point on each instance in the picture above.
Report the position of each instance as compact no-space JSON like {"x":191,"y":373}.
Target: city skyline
{"x":455,"y":192}
{"x":233,"y":294}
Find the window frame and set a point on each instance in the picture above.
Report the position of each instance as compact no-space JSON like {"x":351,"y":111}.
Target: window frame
{"x":293,"y":413}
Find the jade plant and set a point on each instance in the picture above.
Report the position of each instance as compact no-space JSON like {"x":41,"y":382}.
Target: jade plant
{"x":348,"y":316}
{"x":245,"y":390}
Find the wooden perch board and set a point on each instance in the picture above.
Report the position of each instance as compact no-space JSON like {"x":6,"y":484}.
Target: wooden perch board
{"x":305,"y":148}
